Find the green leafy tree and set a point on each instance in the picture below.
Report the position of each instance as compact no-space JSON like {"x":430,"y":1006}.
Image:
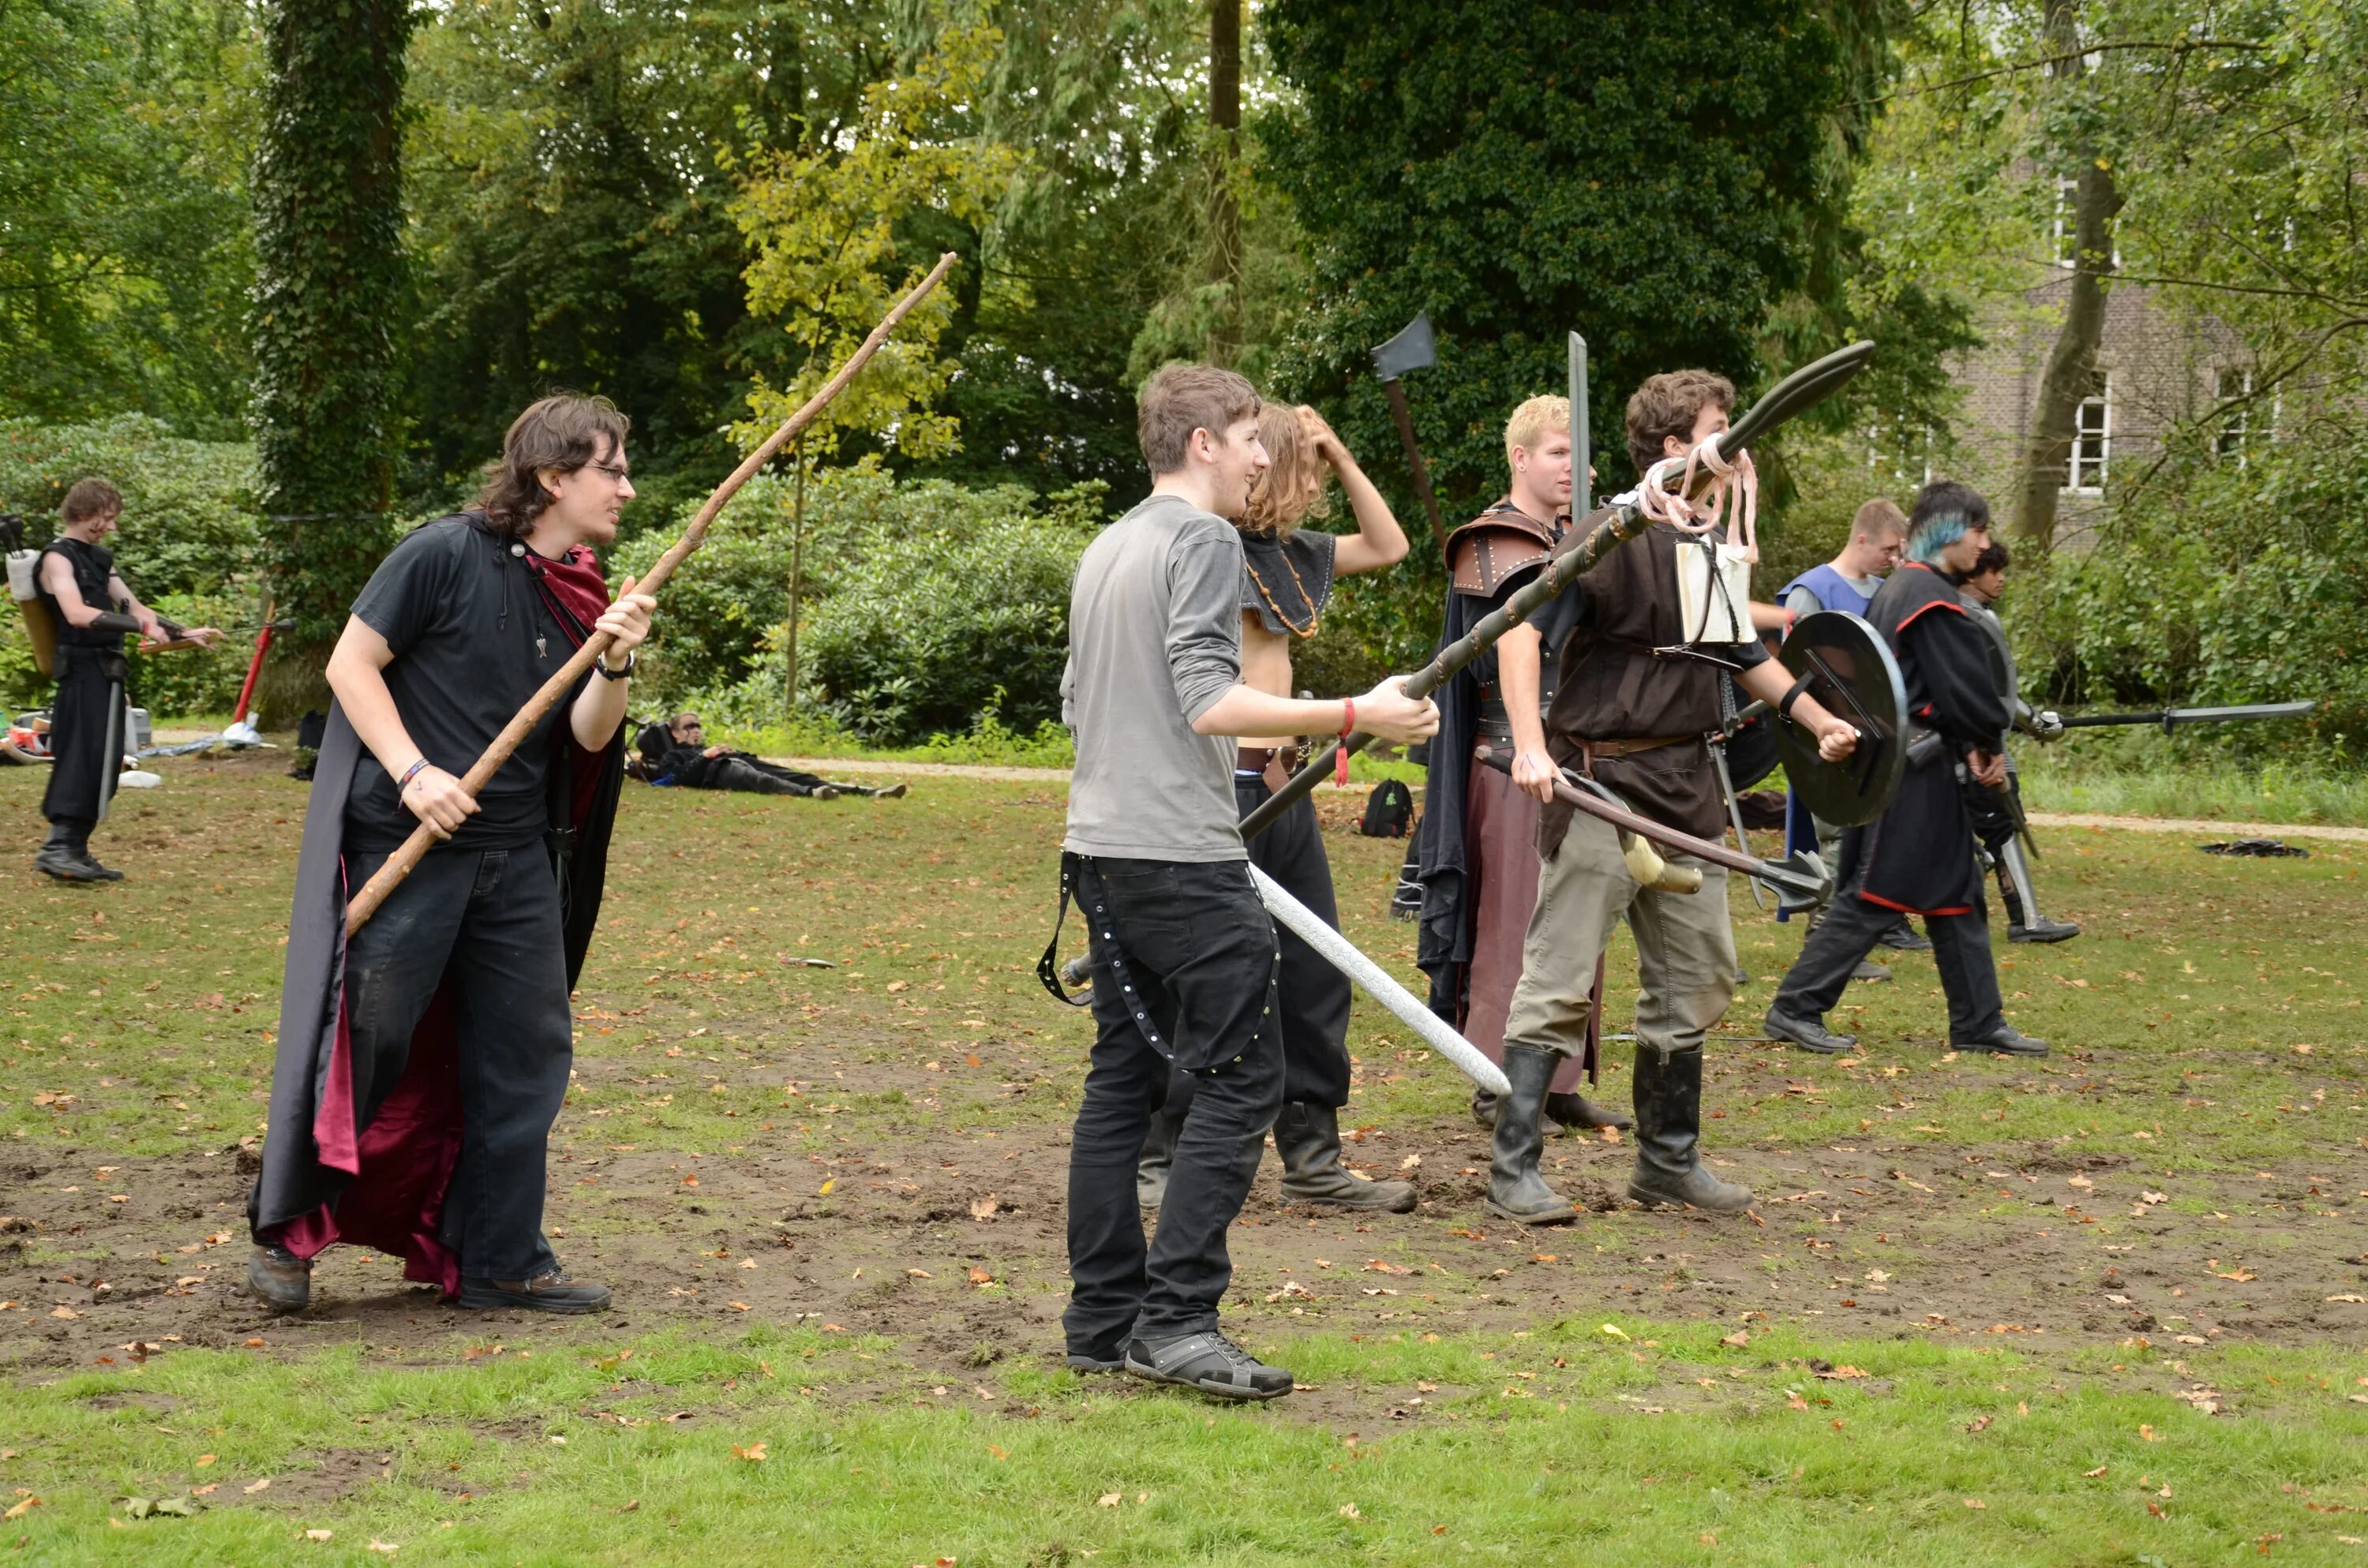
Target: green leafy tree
{"x":1647,"y":175}
{"x":330,"y":300}
{"x":124,"y":260}
{"x":830,"y":226}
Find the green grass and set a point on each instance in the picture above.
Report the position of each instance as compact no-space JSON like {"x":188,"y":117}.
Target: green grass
{"x":2208,"y":1025}
{"x":1662,"y":1443}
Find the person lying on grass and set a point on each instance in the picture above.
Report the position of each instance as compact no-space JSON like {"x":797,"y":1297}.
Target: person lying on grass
{"x":677,"y":755}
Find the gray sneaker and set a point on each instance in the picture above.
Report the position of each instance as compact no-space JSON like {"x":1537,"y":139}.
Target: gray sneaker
{"x":1207,"y":1361}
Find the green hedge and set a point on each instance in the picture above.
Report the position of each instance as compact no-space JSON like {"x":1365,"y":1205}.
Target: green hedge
{"x":188,"y":544}
{"x":2217,"y":583}
{"x":927,"y":605}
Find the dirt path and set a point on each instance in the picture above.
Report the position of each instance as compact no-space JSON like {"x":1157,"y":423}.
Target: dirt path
{"x":2192,"y":824}
{"x":827,"y":766}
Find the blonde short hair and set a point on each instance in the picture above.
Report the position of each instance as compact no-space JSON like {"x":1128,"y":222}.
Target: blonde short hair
{"x":1280,"y":498}
{"x":1535,"y":420}
{"x":1880,"y":518}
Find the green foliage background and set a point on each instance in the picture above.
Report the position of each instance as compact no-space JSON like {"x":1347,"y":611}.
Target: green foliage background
{"x":928,"y":603}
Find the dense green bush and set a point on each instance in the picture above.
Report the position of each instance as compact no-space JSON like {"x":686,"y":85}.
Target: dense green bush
{"x":927,"y":605}
{"x":2219,"y":584}
{"x":188,"y":543}
{"x":190,"y":520}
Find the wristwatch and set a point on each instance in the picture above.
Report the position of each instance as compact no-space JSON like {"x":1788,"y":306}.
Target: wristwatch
{"x":607,"y":674}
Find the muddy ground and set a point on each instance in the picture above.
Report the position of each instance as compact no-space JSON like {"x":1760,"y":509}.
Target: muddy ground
{"x":953,"y":1244}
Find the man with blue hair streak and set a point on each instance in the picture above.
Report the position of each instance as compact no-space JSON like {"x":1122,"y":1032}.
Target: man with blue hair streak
{"x":1918,"y":856}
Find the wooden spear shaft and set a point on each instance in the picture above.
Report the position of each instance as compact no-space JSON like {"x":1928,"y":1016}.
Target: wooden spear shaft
{"x":423,"y":838}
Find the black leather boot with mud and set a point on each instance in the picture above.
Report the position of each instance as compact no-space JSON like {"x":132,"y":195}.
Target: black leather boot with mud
{"x":1669,"y":1137}
{"x":1516,"y":1190}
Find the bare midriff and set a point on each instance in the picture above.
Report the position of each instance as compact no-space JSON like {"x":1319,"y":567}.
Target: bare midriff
{"x":1266,"y":666}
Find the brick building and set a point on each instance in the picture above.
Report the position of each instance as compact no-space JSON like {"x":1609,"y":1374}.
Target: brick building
{"x":2154,"y":370}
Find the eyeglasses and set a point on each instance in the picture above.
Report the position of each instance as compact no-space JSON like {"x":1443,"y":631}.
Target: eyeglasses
{"x":619,"y":474}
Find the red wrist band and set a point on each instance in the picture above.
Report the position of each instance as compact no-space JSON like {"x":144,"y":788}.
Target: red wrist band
{"x":1340,"y":753}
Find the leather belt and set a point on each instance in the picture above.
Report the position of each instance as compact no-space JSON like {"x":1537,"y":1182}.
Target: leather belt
{"x":1590,"y":752}
{"x":1274,"y":764}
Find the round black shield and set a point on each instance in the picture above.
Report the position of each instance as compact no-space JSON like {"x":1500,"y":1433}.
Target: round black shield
{"x":1854,"y":675}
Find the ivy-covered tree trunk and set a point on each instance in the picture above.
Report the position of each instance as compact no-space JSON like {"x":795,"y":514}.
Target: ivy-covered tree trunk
{"x":328,"y":306}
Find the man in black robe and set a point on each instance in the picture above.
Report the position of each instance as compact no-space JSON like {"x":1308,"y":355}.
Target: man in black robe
{"x":422,"y":1063}
{"x":677,"y":755}
{"x":1918,"y":856}
{"x":91,"y":610}
{"x":1998,"y":815}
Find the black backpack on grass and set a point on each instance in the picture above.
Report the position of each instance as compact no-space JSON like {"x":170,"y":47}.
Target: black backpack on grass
{"x":1389,"y":810}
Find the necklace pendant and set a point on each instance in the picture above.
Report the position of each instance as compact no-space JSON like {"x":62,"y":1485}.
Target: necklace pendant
{"x":540,"y":650}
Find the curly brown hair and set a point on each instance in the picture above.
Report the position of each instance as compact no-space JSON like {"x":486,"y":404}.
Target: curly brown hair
{"x":1281,"y":497}
{"x":1667,"y":405}
{"x":563,"y":431}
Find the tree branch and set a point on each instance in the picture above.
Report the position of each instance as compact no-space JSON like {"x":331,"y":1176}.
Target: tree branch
{"x":2181,"y":47}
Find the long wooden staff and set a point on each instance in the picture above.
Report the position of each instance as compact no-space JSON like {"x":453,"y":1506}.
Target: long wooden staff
{"x":399,"y":865}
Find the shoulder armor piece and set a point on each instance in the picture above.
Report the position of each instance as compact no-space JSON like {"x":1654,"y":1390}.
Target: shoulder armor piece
{"x":1497,"y":545}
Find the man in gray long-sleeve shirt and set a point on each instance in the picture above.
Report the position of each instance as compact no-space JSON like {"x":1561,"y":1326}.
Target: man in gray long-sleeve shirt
{"x":1184,"y":953}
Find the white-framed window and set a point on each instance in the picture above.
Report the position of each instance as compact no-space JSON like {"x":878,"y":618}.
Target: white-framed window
{"x":2067,"y":191}
{"x":2093,"y":439}
{"x":2237,"y":426}
{"x":1900,"y":456}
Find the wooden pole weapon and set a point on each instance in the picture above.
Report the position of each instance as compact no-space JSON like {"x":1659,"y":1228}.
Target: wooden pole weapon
{"x":423,"y":838}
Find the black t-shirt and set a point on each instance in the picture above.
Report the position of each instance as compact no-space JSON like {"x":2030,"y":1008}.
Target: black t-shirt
{"x":472,"y":642}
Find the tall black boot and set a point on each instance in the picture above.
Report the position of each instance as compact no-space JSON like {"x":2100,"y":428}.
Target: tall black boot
{"x":1669,"y":1137}
{"x":62,"y":855}
{"x":1516,"y":1190}
{"x":1308,"y":1139}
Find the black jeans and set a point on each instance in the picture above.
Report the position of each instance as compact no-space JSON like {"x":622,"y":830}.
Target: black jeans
{"x":1842,"y":939}
{"x":1184,"y":978}
{"x":486,"y":924}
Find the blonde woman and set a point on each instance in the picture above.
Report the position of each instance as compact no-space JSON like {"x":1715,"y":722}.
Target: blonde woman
{"x":1288,"y":572}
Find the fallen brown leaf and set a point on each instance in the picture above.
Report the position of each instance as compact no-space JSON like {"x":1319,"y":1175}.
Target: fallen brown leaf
{"x":753,"y":1453}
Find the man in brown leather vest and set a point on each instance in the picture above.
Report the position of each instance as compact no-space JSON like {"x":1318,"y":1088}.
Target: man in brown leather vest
{"x":1633,"y":698}
{"x":1478,"y":859}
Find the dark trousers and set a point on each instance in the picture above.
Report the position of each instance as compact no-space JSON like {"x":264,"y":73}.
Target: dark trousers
{"x":86,"y":735}
{"x":1848,"y":933}
{"x":755,"y":778}
{"x":1185,"y":964}
{"x":1315,"y":996}
{"x":487,"y":924}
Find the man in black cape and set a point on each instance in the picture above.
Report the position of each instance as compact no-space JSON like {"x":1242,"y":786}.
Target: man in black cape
{"x":1918,"y":856}
{"x":422,"y":1063}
